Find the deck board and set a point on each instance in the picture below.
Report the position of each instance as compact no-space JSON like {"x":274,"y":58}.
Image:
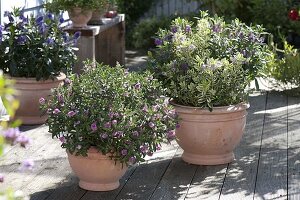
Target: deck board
{"x":272,"y":170}
{"x":293,"y":148}
{"x":241,"y":175}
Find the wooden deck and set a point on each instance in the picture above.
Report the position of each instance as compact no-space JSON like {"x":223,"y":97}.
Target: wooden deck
{"x":267,"y":164}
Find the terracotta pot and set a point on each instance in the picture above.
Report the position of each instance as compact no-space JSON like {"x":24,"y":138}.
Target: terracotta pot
{"x":97,"y":172}
{"x":209,"y":138}
{"x":29,"y":92}
{"x":80,"y":17}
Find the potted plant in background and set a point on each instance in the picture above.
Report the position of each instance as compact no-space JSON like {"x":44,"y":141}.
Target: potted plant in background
{"x":80,"y":11}
{"x":107,"y":119}
{"x":206,"y":68}
{"x":34,"y":52}
{"x":100,"y":9}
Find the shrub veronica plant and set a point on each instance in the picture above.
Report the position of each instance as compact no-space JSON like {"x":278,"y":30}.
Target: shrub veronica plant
{"x":35,"y":46}
{"x":208,"y":63}
{"x":119,"y":113}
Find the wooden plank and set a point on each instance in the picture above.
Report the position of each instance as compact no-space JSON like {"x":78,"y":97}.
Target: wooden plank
{"x":272,"y":170}
{"x":293,"y":148}
{"x":176,"y":181}
{"x":172,"y":6}
{"x":207,"y":182}
{"x":241,"y":176}
{"x":147,"y":176}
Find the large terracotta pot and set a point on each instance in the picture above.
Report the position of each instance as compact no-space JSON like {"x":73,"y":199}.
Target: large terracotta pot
{"x":79,"y":17}
{"x":29,"y":92}
{"x":209,"y":138}
{"x":97,"y":172}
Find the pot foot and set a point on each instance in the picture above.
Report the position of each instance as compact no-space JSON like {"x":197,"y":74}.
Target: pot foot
{"x":34,"y":120}
{"x":99,"y":186}
{"x":197,"y":159}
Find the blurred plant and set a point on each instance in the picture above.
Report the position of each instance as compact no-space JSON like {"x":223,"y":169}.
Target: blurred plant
{"x":65,"y":5}
{"x":9,"y":131}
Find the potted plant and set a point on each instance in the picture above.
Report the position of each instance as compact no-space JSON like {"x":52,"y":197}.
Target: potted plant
{"x":80,"y":11}
{"x":107,"y":119}
{"x":206,"y":68}
{"x":99,"y":10}
{"x":34,"y":51}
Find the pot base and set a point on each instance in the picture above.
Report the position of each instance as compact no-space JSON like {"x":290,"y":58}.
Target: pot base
{"x":98,"y":187}
{"x":207,"y":159}
{"x":34,"y":120}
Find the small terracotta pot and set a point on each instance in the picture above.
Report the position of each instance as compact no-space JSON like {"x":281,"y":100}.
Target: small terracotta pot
{"x":209,"y":138}
{"x":97,"y":172}
{"x":80,"y":17}
{"x":29,"y":92}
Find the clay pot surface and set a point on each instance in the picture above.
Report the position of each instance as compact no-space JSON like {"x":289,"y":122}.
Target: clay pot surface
{"x":80,"y":17}
{"x":29,"y":92}
{"x":97,"y":172}
{"x":209,"y":138}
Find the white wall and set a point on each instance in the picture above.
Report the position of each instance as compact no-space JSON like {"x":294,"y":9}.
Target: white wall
{"x":32,"y":6}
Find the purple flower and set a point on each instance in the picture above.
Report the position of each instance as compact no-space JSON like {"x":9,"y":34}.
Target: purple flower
{"x":11,"y":135}
{"x":71,"y":113}
{"x":50,"y":41}
{"x":151,"y":124}
{"x":65,"y":37}
{"x":50,"y":16}
{"x":135,"y":133}
{"x":61,"y":20}
{"x":60,"y":98}
{"x":56,"y":111}
{"x":188,"y":28}
{"x":118,"y":134}
{"x":62,"y":139}
{"x":23,"y":140}
{"x":137,"y":86}
{"x":132,"y":160}
{"x":104,"y":135}
{"x":42,"y":101}
{"x":110,"y":115}
{"x":174,"y":29}
{"x":177,"y":125}
{"x":144,"y":148}
{"x":107,"y":125}
{"x":1,"y":178}
{"x":94,"y":126}
{"x":27,"y":165}
{"x":77,"y":35}
{"x":145,"y":108}
{"x":67,"y":81}
{"x":124,"y":152}
{"x":39,"y":20}
{"x":114,"y":122}
{"x":158,"y":42}
{"x":158,"y":148}
{"x":216,"y":28}
{"x":21,"y":39}
{"x":171,"y":134}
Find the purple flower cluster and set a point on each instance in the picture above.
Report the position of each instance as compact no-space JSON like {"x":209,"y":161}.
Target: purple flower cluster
{"x":14,"y":136}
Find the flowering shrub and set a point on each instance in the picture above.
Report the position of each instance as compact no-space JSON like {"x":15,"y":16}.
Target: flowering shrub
{"x":210,"y":63}
{"x":35,"y":47}
{"x":119,"y":113}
